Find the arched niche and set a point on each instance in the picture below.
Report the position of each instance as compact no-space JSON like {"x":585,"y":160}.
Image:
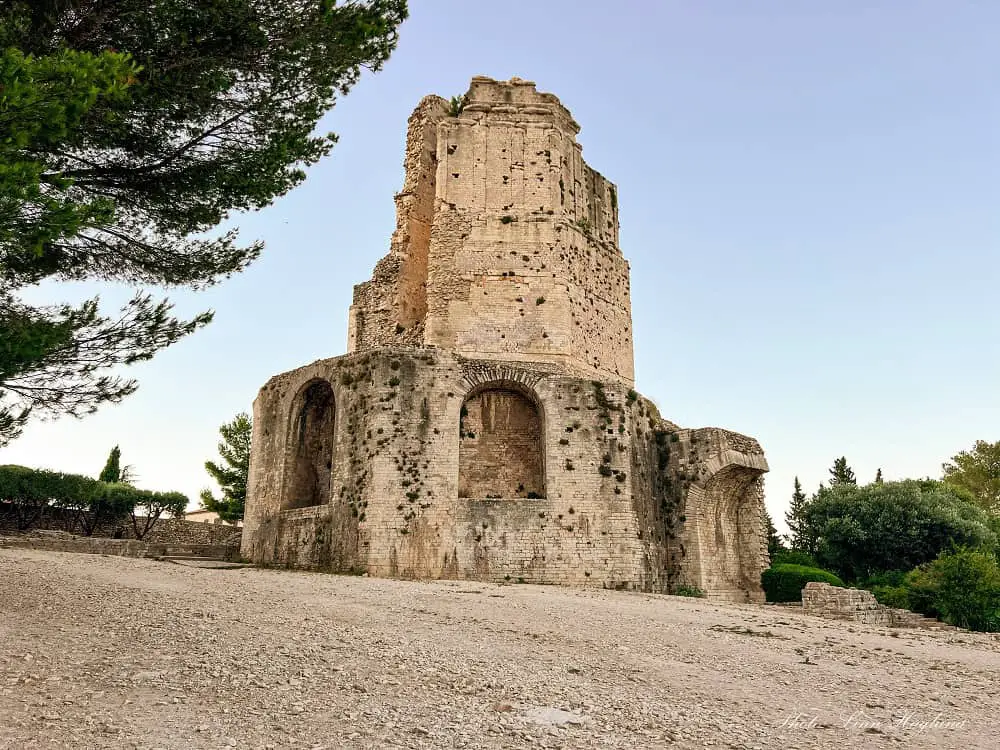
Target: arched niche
{"x":733,"y":543}
{"x":501,"y":450}
{"x":310,"y":447}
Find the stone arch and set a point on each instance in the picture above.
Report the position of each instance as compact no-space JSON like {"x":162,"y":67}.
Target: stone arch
{"x":501,"y":451}
{"x":310,"y":446}
{"x":731,"y":546}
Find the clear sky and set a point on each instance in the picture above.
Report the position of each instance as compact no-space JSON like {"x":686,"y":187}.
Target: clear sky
{"x":810,"y":202}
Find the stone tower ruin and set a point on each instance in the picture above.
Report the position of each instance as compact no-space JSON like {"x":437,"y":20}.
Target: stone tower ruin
{"x":483,"y":423}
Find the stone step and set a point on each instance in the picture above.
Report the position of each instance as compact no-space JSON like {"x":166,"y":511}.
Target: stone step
{"x":205,"y":562}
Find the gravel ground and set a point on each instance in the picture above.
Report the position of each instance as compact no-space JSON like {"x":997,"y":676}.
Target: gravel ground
{"x":104,"y":652}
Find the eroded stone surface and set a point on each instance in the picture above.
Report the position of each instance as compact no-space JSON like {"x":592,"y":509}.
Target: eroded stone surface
{"x":858,"y":605}
{"x":483,"y":424}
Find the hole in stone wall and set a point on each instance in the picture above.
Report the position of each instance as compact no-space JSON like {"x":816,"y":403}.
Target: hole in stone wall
{"x":506,"y":457}
{"x":311,"y":438}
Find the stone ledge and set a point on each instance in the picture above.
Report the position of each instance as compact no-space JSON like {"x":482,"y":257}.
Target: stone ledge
{"x":120,"y":547}
{"x":311,"y":511}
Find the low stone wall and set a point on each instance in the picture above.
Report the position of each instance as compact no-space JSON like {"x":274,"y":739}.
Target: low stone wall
{"x":62,"y":542}
{"x":166,"y":530}
{"x":835,"y":603}
{"x":181,"y":531}
{"x":858,"y":605}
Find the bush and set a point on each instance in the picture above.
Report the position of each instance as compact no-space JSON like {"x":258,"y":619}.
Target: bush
{"x":889,"y":588}
{"x":83,"y":502}
{"x":685,"y":590}
{"x":962,"y":588}
{"x":892,"y":596}
{"x":861,"y":531}
{"x":784,"y":582}
{"x":794,"y":557}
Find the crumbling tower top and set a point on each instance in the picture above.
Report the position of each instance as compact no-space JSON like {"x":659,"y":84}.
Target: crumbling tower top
{"x":506,"y":242}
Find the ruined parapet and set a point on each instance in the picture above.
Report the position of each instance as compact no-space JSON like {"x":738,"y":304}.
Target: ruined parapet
{"x":392,"y":306}
{"x":838,"y":603}
{"x":506,"y":246}
{"x":722,"y":472}
{"x":702,"y":501}
{"x":857,"y":605}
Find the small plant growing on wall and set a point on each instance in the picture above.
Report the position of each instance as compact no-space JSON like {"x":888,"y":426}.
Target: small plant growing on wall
{"x":455,"y":105}
{"x":685,"y":590}
{"x":540,"y":301}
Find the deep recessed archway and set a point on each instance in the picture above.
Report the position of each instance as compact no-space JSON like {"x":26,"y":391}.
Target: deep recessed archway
{"x":501,"y":444}
{"x":310,"y":447}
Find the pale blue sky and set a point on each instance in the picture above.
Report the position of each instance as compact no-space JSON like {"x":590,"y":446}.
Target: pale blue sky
{"x":809,"y":200}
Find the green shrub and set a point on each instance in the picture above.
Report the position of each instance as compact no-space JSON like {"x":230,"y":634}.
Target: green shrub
{"x":685,"y":590}
{"x":784,"y":582}
{"x":861,"y":531}
{"x":962,"y":588}
{"x":83,"y":502}
{"x":892,"y":596}
{"x":794,"y":557}
{"x":889,"y":588}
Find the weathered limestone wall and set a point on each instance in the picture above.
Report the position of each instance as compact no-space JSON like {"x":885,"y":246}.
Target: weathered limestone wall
{"x":391,"y":307}
{"x":501,"y":449}
{"x":395,"y":506}
{"x":483,"y":424}
{"x":836,"y":603}
{"x":181,"y":531}
{"x":858,"y":605}
{"x":519,"y":260}
{"x":116,"y":547}
{"x":701,"y":504}
{"x":455,"y":468}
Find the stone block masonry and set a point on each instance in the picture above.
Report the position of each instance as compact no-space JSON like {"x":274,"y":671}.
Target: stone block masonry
{"x":858,"y":605}
{"x":483,"y":424}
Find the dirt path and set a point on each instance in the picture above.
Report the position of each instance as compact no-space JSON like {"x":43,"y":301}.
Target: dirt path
{"x":101,"y":652}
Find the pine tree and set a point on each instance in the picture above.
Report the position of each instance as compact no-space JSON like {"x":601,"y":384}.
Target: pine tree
{"x":233,"y":474}
{"x":129,"y":130}
{"x":112,"y":472}
{"x":795,"y":518}
{"x":841,"y":473}
{"x":774,"y":544}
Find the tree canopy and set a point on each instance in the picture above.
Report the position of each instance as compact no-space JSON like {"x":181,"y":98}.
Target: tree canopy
{"x":128,"y":131}
{"x":978,"y":472}
{"x":841,"y":473}
{"x":861,"y":531}
{"x":799,"y":538}
{"x":232,"y":475}
{"x":112,"y":471}
{"x":82,"y":502}
{"x":774,"y":545}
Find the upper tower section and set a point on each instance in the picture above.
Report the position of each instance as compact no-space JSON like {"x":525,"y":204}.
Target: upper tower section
{"x":506,"y":242}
